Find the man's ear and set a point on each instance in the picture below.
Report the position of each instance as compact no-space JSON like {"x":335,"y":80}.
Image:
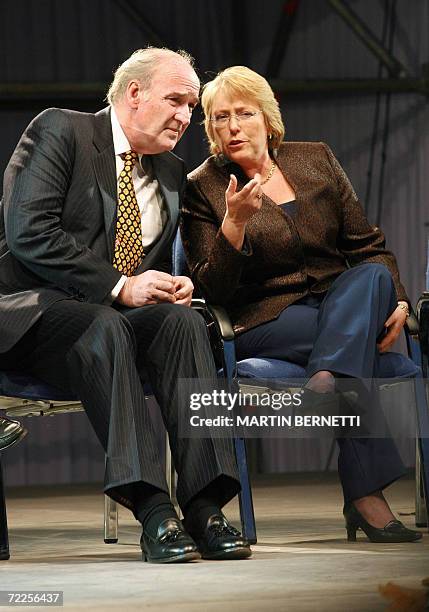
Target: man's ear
{"x":134,"y":94}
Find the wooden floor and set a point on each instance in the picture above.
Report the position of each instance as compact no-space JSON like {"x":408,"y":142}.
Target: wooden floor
{"x":301,"y":562}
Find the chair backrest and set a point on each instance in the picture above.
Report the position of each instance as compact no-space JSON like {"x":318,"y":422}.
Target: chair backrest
{"x":180,"y":265}
{"x":427,"y":268}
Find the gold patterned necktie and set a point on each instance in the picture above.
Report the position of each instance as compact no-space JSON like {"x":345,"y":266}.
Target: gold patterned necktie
{"x":128,"y":243}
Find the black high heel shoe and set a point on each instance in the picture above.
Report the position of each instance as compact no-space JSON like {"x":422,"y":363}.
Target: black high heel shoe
{"x":393,"y":532}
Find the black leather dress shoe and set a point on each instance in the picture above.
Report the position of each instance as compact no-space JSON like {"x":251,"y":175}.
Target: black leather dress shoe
{"x":221,"y":540}
{"x":10,"y":432}
{"x":171,"y":545}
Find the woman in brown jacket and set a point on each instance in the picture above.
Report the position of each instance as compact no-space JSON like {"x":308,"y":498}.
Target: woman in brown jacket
{"x":274,"y":231}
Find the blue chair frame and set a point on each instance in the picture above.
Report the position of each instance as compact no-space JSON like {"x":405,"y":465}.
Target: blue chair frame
{"x":420,"y":347}
{"x":246,"y":371}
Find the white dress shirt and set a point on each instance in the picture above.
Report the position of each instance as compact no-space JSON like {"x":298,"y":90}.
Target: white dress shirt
{"x":148,"y":193}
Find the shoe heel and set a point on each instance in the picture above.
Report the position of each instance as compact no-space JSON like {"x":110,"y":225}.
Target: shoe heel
{"x":351,"y":533}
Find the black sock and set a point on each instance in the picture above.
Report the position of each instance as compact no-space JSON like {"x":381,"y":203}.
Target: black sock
{"x":155,"y":517}
{"x":152,"y":506}
{"x":197,"y":513}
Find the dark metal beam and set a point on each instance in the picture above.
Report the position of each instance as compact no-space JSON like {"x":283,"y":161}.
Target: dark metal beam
{"x":282,"y":37}
{"x":37,"y":90}
{"x":351,"y":86}
{"x":362,"y":31}
{"x":23,"y":94}
{"x":35,"y":97}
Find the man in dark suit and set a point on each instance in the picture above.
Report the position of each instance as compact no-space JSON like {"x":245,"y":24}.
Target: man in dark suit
{"x":88,"y":303}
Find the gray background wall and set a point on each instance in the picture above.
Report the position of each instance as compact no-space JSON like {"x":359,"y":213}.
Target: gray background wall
{"x":54,"y":41}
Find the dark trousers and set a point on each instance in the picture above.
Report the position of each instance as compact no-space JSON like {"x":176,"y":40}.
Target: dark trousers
{"x":338,"y":332}
{"x":101,"y":354}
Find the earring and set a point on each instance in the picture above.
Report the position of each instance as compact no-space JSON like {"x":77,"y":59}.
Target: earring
{"x":221,"y":159}
{"x":274,"y":151}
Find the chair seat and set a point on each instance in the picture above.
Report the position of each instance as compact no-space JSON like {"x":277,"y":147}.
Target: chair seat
{"x":24,"y":386}
{"x":264,"y":367}
{"x":392,"y":365}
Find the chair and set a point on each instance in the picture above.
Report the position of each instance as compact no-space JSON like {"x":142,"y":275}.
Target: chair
{"x":21,"y":395}
{"x":422,"y":309}
{"x":250,"y":372}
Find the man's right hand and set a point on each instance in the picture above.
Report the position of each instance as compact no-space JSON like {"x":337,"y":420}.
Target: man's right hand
{"x":150,"y":287}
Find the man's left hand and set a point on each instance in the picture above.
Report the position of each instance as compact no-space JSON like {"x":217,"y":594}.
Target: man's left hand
{"x":183,"y":289}
{"x":394,"y":325}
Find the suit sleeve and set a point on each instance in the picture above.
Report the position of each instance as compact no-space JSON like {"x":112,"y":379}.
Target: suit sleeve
{"x":165,"y":265}
{"x":35,"y":186}
{"x":216,"y":266}
{"x":358,"y":240}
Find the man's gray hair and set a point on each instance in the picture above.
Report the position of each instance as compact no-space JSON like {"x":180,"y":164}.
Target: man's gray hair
{"x":142,"y":65}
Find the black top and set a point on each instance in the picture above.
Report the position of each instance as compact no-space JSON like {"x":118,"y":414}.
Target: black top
{"x":289,"y":207}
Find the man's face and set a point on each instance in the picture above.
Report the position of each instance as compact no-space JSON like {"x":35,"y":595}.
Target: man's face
{"x":163,"y":112}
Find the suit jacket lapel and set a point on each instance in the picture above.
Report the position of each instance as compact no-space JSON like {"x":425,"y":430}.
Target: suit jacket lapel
{"x":105,"y":172}
{"x":169,"y":185}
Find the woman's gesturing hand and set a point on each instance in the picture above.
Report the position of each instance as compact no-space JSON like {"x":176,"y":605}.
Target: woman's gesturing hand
{"x":241,"y":205}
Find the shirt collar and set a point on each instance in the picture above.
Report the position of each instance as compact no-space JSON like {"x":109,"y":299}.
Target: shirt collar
{"x":120,"y":141}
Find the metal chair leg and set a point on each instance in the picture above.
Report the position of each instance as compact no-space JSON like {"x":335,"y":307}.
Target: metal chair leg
{"x":4,"y":535}
{"x":418,"y":353}
{"x":170,"y":475}
{"x":111,"y":507}
{"x":110,"y":520}
{"x":423,"y":442}
{"x":247,"y":515}
{"x":421,"y":515}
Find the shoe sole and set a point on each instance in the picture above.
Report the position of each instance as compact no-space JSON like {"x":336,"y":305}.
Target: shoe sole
{"x":18,"y":438}
{"x":395,"y":540}
{"x":193,"y":556}
{"x":237,"y":553}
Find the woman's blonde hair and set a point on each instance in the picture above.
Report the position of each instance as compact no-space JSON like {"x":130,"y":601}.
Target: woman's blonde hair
{"x":243,"y":82}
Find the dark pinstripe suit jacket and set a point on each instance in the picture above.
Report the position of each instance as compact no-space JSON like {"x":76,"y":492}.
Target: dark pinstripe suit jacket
{"x":58,"y":217}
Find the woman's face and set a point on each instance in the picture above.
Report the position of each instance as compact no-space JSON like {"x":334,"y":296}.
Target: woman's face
{"x":244,"y":139}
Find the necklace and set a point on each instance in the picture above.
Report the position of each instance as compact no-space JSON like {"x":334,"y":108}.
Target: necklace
{"x":270,"y":173}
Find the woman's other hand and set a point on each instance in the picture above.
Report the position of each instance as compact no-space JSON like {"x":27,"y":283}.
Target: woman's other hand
{"x":393,"y":325}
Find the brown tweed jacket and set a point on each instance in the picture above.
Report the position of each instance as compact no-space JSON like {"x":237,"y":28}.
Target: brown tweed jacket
{"x":284,"y":258}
